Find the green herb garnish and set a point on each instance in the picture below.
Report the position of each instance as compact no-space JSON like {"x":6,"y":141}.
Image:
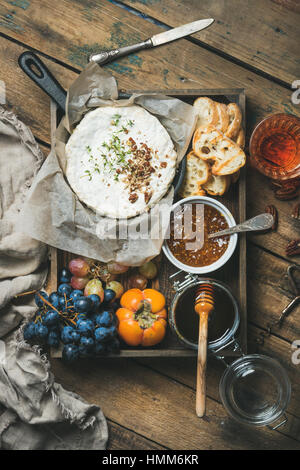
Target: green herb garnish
{"x":115,"y":153}
{"x":116,"y":119}
{"x":88,"y":173}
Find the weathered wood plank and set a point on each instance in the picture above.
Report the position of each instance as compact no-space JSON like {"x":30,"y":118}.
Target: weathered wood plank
{"x":262,"y":34}
{"x":269,"y":292}
{"x":23,"y":97}
{"x":161,"y":409}
{"x":260,"y":195}
{"x":123,"y":439}
{"x":68,"y":33}
{"x":184,"y":371}
{"x":292,"y":5}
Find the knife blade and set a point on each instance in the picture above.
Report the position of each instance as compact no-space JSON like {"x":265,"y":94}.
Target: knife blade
{"x":180,"y":31}
{"x":156,"y":40}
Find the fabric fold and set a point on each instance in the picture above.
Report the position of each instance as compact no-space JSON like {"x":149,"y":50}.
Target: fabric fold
{"x":39,"y":413}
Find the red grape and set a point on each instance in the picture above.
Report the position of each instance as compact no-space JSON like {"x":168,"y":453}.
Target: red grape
{"x":137,"y":281}
{"x":116,"y":268}
{"x":79,"y":282}
{"x":79,"y":267}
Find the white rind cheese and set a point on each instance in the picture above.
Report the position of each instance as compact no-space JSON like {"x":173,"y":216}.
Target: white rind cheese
{"x":120,"y":161}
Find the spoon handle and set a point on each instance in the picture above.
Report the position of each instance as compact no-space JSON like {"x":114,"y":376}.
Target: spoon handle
{"x":259,"y":222}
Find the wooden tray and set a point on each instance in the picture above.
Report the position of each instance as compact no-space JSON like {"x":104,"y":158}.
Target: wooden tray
{"x":233,"y":273}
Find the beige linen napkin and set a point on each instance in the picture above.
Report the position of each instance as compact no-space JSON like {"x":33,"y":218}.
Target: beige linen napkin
{"x":38,"y":412}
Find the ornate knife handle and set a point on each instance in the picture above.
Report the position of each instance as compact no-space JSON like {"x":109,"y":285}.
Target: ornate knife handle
{"x":107,"y":56}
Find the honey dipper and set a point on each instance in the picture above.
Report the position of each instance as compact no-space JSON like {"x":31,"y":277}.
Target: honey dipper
{"x":204,"y":304}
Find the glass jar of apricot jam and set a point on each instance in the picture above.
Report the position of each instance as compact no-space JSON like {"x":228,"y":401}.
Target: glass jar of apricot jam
{"x":275,"y":147}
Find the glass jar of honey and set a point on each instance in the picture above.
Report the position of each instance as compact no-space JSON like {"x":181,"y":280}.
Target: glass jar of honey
{"x":223,"y":322}
{"x":275,"y":147}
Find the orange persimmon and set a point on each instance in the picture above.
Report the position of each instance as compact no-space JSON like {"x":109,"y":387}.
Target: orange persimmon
{"x":142,"y":317}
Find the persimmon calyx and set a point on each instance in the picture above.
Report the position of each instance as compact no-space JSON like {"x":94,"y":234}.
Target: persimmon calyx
{"x":144,"y":316}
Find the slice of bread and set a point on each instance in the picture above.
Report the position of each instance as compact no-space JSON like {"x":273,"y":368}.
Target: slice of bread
{"x":223,"y":117}
{"x":197,"y":173}
{"x":240,"y":138}
{"x":206,"y":110}
{"x":225,"y":155}
{"x":217,"y":185}
{"x":235,"y":120}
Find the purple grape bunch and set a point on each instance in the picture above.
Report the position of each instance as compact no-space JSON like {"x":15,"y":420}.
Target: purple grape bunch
{"x":82,"y":321}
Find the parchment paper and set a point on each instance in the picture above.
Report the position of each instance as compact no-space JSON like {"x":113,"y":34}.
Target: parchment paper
{"x":53,"y":213}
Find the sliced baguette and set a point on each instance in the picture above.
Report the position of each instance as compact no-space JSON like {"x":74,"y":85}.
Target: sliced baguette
{"x":223,"y":117}
{"x":240,"y":138}
{"x":225,"y":155}
{"x":235,"y":120}
{"x":206,"y":110}
{"x":197,"y":173}
{"x":217,"y":185}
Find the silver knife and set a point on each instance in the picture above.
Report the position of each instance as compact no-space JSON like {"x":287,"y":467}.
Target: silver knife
{"x":156,"y":40}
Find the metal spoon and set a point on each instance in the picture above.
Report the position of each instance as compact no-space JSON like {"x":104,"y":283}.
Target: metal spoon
{"x":259,"y":222}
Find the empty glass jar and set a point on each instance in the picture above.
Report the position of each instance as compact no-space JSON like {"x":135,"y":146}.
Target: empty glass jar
{"x":255,"y":390}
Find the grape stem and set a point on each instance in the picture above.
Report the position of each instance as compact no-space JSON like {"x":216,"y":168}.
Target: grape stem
{"x":60,"y":313}
{"x":47,"y":302}
{"x":25,"y":293}
{"x":100,"y":271}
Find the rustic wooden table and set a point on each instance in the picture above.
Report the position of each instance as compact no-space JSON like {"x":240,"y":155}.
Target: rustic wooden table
{"x":149,"y":403}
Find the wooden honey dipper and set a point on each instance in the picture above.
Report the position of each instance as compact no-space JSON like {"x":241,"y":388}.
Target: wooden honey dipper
{"x":204,"y":304}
